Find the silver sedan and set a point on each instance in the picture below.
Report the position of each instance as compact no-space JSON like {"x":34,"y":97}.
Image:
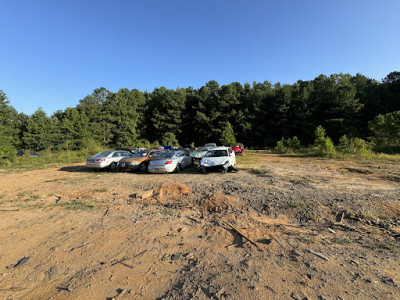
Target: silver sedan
{"x":106,"y":159}
{"x":168,"y":162}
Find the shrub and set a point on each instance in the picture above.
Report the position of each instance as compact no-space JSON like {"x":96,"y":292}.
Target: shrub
{"x":323,"y":145}
{"x":288,"y":146}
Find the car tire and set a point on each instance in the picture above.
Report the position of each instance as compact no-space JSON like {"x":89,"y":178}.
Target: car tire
{"x":143,"y":167}
{"x":203,"y":170}
{"x":113,"y":167}
{"x":178,"y":168}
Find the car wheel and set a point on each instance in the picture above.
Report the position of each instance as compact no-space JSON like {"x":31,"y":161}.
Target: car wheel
{"x":143,"y":167}
{"x":178,"y":168}
{"x":203,"y":170}
{"x":113,"y":167}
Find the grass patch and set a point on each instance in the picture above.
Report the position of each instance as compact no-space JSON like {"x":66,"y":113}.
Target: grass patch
{"x":100,"y":190}
{"x":294,"y":204}
{"x":338,"y":241}
{"x":8,"y":201}
{"x":294,"y":232}
{"x":260,"y":172}
{"x":76,"y":205}
{"x":45,"y":160}
{"x":307,"y":240}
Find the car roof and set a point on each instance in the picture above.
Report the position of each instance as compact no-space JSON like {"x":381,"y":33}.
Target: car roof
{"x":220,"y":148}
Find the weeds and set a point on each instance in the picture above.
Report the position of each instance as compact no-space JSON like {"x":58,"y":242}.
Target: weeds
{"x":294,"y":204}
{"x":260,"y":172}
{"x":76,"y":205}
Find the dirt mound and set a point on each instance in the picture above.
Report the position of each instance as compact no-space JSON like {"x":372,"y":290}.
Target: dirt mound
{"x":219,"y":203}
{"x":173,"y":193}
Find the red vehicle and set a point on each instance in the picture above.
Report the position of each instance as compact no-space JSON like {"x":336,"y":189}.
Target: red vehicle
{"x":239,"y":150}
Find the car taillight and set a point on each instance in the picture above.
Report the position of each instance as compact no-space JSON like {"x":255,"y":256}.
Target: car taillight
{"x":168,"y":162}
{"x":101,"y":159}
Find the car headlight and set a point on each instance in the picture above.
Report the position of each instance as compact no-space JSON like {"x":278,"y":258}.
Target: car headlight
{"x":134,"y":163}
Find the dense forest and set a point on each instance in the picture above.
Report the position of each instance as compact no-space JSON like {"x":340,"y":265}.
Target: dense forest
{"x":256,"y":115}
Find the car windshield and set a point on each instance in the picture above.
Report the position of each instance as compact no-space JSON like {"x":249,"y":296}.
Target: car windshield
{"x":210,"y":145}
{"x":200,"y":149}
{"x":140,"y":154}
{"x":103,"y":154}
{"x":217,"y":153}
{"x":166,"y":155}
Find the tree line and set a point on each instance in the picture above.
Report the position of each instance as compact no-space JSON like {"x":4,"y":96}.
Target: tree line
{"x":257,"y":115}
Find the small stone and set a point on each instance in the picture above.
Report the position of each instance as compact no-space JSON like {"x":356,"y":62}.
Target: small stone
{"x":175,"y":256}
{"x":294,"y":296}
{"x":22,"y":261}
{"x":280,"y":263}
{"x":294,"y":253}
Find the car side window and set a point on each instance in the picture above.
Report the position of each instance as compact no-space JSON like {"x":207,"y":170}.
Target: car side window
{"x":116,"y":154}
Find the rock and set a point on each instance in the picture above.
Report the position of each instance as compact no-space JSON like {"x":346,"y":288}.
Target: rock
{"x":294,"y":253}
{"x":387,"y":280}
{"x":22,"y":261}
{"x":142,"y":195}
{"x":50,"y":273}
{"x":294,"y":296}
{"x":175,"y":256}
{"x":280,"y":263}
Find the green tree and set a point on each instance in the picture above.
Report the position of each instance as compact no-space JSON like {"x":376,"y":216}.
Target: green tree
{"x":74,"y":127}
{"x":7,"y":132}
{"x":120,"y":112}
{"x":41,"y":132}
{"x":227,"y":135}
{"x":323,"y":145}
{"x":92,"y":106}
{"x":385,"y":129}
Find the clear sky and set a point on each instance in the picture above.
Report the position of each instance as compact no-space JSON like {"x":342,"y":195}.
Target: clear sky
{"x":54,"y":53}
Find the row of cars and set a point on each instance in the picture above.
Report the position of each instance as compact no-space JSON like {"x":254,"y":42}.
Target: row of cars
{"x":165,"y":161}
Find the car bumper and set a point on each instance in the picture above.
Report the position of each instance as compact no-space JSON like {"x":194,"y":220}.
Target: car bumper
{"x":128,"y":167}
{"x":161,"y":169}
{"x":96,"y":165}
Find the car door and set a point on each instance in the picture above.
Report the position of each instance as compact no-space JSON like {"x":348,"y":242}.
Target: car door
{"x":232,"y":157}
{"x":180,"y":160}
{"x":188,"y":159}
{"x":152,"y":156}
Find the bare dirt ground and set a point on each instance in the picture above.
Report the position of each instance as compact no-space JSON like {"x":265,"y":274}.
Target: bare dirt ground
{"x":284,"y":228}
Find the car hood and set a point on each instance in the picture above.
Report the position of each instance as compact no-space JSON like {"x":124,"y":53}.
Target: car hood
{"x":198,"y":154}
{"x":128,"y":160}
{"x":213,"y":161}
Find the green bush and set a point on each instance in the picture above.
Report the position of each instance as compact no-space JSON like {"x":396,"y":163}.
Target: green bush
{"x":288,"y":146}
{"x":323,"y":145}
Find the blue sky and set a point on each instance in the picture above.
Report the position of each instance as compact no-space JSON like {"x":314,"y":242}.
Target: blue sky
{"x":54,"y":53}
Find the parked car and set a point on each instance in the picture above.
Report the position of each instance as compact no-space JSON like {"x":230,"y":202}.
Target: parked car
{"x":106,"y":159}
{"x":22,"y":152}
{"x":198,"y":153}
{"x":211,"y":145}
{"x":172,"y":161}
{"x":139,"y":161}
{"x":239,"y":150}
{"x":130,"y":150}
{"x":220,"y":158}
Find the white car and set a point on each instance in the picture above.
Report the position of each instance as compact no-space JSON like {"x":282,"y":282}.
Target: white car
{"x":220,"y":158}
{"x":106,"y":159}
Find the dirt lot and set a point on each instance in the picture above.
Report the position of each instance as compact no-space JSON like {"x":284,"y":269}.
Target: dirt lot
{"x":280,"y":228}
